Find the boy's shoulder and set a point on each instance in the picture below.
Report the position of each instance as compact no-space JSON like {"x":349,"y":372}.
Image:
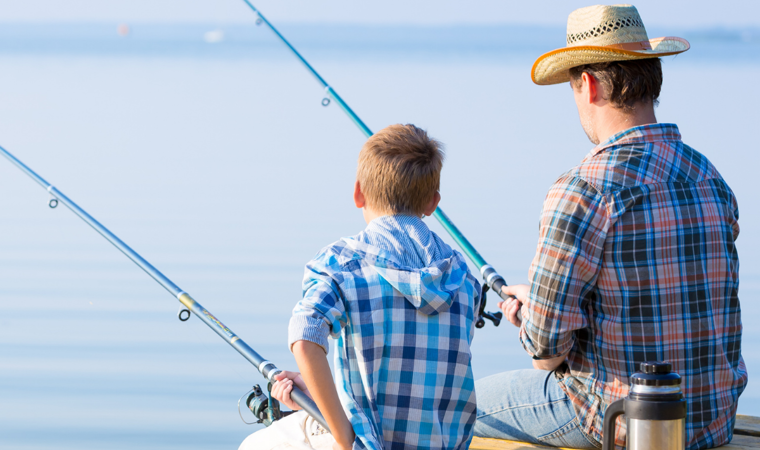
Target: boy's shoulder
{"x":345,"y":250}
{"x":350,"y":254}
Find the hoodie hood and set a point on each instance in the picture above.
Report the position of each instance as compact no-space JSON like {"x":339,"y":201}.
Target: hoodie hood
{"x":432,"y":289}
{"x":414,"y":260}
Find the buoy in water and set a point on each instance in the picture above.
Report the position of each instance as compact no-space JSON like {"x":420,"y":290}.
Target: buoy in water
{"x":123,"y":29}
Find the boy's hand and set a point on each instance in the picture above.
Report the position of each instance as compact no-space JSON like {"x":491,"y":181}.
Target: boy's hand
{"x":511,"y":307}
{"x":284,"y":386}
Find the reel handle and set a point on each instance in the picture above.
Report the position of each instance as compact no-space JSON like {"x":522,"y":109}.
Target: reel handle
{"x":494,"y":317}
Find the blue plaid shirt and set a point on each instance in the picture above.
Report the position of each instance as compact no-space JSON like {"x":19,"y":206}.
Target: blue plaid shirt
{"x":401,"y":304}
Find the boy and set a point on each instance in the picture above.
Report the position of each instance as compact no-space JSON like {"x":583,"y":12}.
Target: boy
{"x":401,"y":304}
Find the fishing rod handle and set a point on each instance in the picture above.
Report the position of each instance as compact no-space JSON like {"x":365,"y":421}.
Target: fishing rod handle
{"x":269,"y":370}
{"x":308,"y":405}
{"x":495,"y":281}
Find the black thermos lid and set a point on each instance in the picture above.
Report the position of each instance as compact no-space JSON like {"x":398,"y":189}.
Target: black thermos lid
{"x":654,"y":373}
{"x":662,"y":398}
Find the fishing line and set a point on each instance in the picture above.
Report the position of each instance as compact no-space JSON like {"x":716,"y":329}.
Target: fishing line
{"x":490,"y":275}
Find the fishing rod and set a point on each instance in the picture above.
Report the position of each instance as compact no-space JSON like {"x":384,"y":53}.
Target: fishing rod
{"x":491,"y":277}
{"x":266,"y":410}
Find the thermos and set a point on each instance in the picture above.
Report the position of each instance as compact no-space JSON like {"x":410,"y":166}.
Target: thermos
{"x":655,"y":411}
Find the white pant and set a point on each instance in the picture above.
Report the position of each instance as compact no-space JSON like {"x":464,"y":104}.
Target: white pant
{"x":298,"y":431}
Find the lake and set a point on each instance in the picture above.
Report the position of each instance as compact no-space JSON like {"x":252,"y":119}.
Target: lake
{"x":212,"y":156}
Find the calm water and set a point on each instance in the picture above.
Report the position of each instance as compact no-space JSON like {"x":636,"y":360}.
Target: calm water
{"x":218,"y":164}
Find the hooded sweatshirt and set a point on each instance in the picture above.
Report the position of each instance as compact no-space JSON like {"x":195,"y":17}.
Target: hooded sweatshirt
{"x":401,"y":305}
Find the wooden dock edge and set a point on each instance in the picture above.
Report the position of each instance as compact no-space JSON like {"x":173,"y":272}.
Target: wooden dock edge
{"x":746,"y":437}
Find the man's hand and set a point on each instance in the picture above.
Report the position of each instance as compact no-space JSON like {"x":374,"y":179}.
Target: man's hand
{"x":511,"y":307}
{"x":284,"y":386}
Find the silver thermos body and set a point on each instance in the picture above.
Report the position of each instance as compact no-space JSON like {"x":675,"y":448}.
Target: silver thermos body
{"x":655,"y":411}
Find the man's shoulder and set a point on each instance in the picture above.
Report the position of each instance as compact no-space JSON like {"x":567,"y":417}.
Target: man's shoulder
{"x":575,"y":182}
{"x":604,"y":171}
{"x":630,"y":164}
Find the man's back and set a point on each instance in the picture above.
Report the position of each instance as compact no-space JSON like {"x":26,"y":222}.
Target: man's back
{"x":651,"y":228}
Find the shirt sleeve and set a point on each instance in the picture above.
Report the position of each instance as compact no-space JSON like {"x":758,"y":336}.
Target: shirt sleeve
{"x":572,"y":231}
{"x":735,"y":221}
{"x":477,"y":299}
{"x":321,"y":311}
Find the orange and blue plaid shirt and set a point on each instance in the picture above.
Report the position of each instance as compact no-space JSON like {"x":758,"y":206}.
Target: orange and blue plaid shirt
{"x":636,"y":261}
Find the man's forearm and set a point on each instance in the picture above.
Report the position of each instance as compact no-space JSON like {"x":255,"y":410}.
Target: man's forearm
{"x":315,"y":371}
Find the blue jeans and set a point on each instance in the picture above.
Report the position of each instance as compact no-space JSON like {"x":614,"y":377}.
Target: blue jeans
{"x":529,"y":406}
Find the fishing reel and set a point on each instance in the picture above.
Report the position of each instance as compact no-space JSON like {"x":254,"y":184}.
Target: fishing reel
{"x":265,"y":409}
{"x":494,"y":317}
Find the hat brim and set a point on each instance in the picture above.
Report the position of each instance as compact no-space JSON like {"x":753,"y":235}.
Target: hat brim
{"x":553,"y":67}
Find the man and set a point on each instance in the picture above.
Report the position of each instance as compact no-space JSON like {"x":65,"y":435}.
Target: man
{"x":636,"y":258}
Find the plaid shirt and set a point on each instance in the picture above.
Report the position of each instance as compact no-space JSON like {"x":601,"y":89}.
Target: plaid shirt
{"x":401,"y":304}
{"x":636,"y":261}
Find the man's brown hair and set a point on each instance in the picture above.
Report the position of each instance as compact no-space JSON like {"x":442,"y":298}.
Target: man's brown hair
{"x":625,"y":82}
{"x":400,"y":169}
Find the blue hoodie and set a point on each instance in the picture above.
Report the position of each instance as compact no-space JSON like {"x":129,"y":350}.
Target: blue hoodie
{"x":401,"y":304}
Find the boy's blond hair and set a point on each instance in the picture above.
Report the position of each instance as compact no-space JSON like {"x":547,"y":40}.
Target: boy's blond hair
{"x":400,"y":169}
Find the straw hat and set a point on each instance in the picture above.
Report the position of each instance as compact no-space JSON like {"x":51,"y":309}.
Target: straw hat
{"x":602,"y":33}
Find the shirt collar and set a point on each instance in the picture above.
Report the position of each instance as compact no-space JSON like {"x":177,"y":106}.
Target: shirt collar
{"x":407,"y":239}
{"x":395,"y":222}
{"x":642,"y":134}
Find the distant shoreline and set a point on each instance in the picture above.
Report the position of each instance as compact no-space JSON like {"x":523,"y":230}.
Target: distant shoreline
{"x":336,"y":40}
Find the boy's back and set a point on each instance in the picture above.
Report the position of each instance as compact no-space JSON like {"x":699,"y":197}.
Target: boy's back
{"x":402,"y":305}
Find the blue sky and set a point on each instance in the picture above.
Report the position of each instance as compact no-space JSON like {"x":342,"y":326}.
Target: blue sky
{"x":661,"y":13}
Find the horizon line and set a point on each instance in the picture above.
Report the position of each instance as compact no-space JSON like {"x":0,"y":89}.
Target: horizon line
{"x":351,"y":23}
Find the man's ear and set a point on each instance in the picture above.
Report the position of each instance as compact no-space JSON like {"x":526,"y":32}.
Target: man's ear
{"x":359,"y":199}
{"x":431,"y":207}
{"x":592,"y":93}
